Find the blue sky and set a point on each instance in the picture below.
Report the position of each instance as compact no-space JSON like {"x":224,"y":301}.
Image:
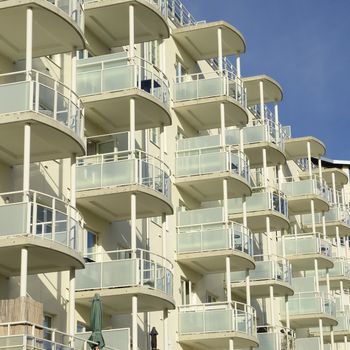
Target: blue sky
{"x":305,"y":46}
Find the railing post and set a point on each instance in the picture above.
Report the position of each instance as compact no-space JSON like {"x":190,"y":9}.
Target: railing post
{"x":53,"y":233}
{"x":55,"y":100}
{"x":37,"y":92}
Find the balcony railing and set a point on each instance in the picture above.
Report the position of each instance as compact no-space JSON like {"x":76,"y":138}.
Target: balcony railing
{"x":121,"y":169}
{"x":309,"y":303}
{"x":160,"y":5}
{"x":126,"y":268}
{"x":73,"y":8}
{"x":25,"y":335}
{"x":304,"y":244}
{"x":261,"y":131}
{"x":313,"y":186}
{"x":42,"y":94}
{"x":268,"y":199}
{"x":217,"y":317}
{"x":275,"y":338}
{"x":210,"y":160}
{"x":115,"y":338}
{"x":201,"y":85}
{"x":42,"y":216}
{"x":341,"y":269}
{"x":209,"y":237}
{"x":272,"y":268}
{"x":313,"y":343}
{"x":117,"y":72}
{"x":337,"y":213}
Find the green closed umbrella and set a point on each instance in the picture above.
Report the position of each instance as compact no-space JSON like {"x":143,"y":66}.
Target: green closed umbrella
{"x":96,"y":322}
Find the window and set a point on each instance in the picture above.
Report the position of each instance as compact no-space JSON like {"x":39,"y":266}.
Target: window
{"x":186,"y":290}
{"x":105,"y":147}
{"x":81,"y":327}
{"x":154,"y":136}
{"x":180,"y":71}
{"x":48,"y":323}
{"x":91,"y":245}
{"x":157,"y":220}
{"x":210,"y":298}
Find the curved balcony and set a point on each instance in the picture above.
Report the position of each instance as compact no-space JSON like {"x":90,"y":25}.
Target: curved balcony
{"x":105,"y":183}
{"x":305,"y":310}
{"x":204,"y":240}
{"x":63,"y":22}
{"x":267,"y":203}
{"x":52,"y":109}
{"x":272,"y":89}
{"x":263,"y":134}
{"x":24,"y":335}
{"x":340,"y":177}
{"x":297,"y":147}
{"x":341,"y":330}
{"x":197,"y":98}
{"x":212,"y":325}
{"x":300,"y":193}
{"x":275,"y":338}
{"x":47,"y":226}
{"x":201,"y":171}
{"x":272,"y":271}
{"x":200,"y":39}
{"x":302,"y":250}
{"x":119,"y":275}
{"x":107,"y":22}
{"x":337,"y":219}
{"x":313,"y":343}
{"x":107,"y":83}
{"x":340,"y":272}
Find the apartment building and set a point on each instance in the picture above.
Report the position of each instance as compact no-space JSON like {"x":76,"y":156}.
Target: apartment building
{"x":137,"y":162}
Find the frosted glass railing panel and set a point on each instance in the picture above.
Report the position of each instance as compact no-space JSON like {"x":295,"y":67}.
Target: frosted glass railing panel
{"x":305,"y":244}
{"x":8,"y":104}
{"x":201,"y":164}
{"x":118,"y":339}
{"x":118,"y":273}
{"x":232,"y":136}
{"x":13,"y":219}
{"x":191,"y":143}
{"x":267,"y":341}
{"x":343,"y":319}
{"x":254,"y":134}
{"x":308,"y":343}
{"x":258,"y":201}
{"x":88,"y":176}
{"x":298,"y":188}
{"x":304,"y":284}
{"x":118,"y":173}
{"x":89,"y":278}
{"x":200,"y":216}
{"x":216,"y":317}
{"x":114,"y":79}
{"x":334,"y":214}
{"x":206,"y":87}
{"x":13,"y":342}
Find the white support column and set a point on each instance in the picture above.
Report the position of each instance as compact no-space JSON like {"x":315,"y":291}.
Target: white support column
{"x":244,"y":209}
{"x":324,"y":231}
{"x":287,"y":311}
{"x":312,"y":205}
{"x":264,"y":156}
{"x":164,"y":240}
{"x":131,"y":31}
{"x":341,"y":288}
{"x":73,"y":74}
{"x":247,"y":286}
{"x":334,"y":188}
{"x":26,"y":161}
{"x":228,"y":279}
{"x":73,"y":200}
{"x":337,"y":237}
{"x":320,"y":175}
{"x":320,"y":325}
{"x":276,"y":113}
{"x":24,"y":272}
{"x":316,"y":275}
{"x":166,"y":329}
{"x":328,"y":282}
{"x":220,"y":55}
{"x":133,"y":223}
{"x":134,"y":323}
{"x":346,"y":342}
{"x":262,"y":101}
{"x":72,"y":322}
{"x":238,"y":64}
{"x":225,"y":199}
{"x":241,"y":139}
{"x":29,"y":41}
{"x":132,"y":125}
{"x":308,"y":145}
{"x":272,"y":306}
{"x":332,"y":338}
{"x":280,"y":177}
{"x":222,"y":125}
{"x":162,"y":142}
{"x":231,"y":344}
{"x":268,"y":233}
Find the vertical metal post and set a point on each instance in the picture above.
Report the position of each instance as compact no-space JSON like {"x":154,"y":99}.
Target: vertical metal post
{"x":220,"y":55}
{"x":228,"y":279}
{"x":225,"y":199}
{"x":131,"y":31}
{"x":308,"y":145}
{"x":264,"y":167}
{"x":222,"y":125}
{"x":134,"y":323}
{"x":132,"y":125}
{"x":262,"y":101}
{"x":24,"y":272}
{"x":72,"y":325}
{"x":238,"y":65}
{"x":26,"y":161}
{"x":247,"y":282}
{"x":312,"y":205}
{"x":133,"y":224}
{"x":29,"y":41}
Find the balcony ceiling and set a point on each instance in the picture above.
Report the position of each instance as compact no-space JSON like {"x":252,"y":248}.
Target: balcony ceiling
{"x":296,"y":148}
{"x":201,"y":40}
